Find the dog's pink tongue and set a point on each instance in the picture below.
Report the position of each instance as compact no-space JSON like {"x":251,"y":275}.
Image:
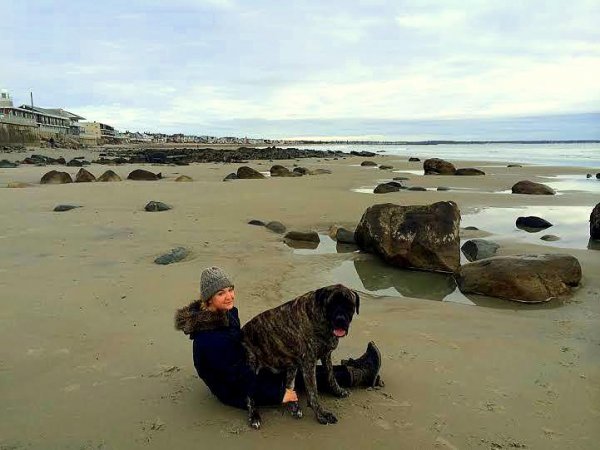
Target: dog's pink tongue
{"x":339,"y":332}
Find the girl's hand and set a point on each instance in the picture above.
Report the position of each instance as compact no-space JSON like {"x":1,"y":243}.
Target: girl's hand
{"x":290,"y":396}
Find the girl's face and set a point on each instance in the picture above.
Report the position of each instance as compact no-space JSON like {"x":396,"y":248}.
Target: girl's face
{"x":222,"y":300}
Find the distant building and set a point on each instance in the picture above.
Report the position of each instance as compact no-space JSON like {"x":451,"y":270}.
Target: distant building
{"x":97,"y":130}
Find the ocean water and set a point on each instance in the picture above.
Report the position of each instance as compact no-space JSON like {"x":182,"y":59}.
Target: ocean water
{"x":585,"y":155}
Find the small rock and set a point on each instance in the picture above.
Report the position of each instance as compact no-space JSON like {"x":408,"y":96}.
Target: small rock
{"x":83,"y":176}
{"x":589,"y":175}
{"x":532,"y":222}
{"x":62,"y":208}
{"x":400,"y":178}
{"x":345,"y":236}
{"x":550,"y":237}
{"x":144,"y":175}
{"x":154,"y":206}
{"x":6,"y":164}
{"x":514,"y":165}
{"x":276,"y":227}
{"x":384,"y":167}
{"x":443,"y":188}
{"x":386,"y":188}
{"x":368,"y":164}
{"x":469,"y":171}
{"x":18,"y":184}
{"x":256,"y":222}
{"x":230,"y":177}
{"x":108,"y":176}
{"x":476,"y":249}
{"x":529,"y":187}
{"x":175,"y":255}
{"x":248,"y":173}
{"x":416,"y":188}
{"x":413,"y":159}
{"x":184,"y":178}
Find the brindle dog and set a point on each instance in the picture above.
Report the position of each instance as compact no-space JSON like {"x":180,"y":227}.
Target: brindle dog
{"x":294,"y":336}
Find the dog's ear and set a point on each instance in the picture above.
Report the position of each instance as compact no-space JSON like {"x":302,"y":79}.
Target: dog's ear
{"x":321,"y":296}
{"x":357,"y":301}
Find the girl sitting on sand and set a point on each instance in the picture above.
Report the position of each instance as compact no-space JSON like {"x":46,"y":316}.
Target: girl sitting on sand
{"x":220,"y":359}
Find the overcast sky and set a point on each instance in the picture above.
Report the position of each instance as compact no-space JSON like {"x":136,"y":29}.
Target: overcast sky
{"x":374,"y":69}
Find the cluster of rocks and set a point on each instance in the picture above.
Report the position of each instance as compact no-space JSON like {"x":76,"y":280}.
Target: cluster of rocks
{"x":589,"y":175}
{"x":426,"y":237}
{"x":436,"y":166}
{"x":41,"y":160}
{"x":185,"y":156}
{"x":248,"y":173}
{"x":84,"y":176}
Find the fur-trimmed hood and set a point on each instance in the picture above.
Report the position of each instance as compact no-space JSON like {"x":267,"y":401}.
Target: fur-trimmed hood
{"x":194,"y":318}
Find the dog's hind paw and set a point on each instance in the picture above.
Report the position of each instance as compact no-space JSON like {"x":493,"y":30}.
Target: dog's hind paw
{"x":295,"y":410}
{"x":342,"y":393}
{"x":325,"y":417}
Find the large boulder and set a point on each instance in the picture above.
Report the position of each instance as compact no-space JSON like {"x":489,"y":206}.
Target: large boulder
{"x":595,"y":223}
{"x":55,"y":177}
{"x":280,"y":171}
{"x":248,"y":173}
{"x":469,"y":171}
{"x":144,"y":175}
{"x":424,"y":237}
{"x":530,"y":187}
{"x":83,"y":176}
{"x":436,"y":166}
{"x":522,"y":278}
{"x":109,"y":175}
{"x":476,"y":249}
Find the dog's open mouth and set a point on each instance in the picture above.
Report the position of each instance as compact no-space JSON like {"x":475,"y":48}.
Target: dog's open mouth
{"x":339,"y":332}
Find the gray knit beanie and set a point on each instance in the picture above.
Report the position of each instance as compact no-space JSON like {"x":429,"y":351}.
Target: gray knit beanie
{"x":212,"y":280}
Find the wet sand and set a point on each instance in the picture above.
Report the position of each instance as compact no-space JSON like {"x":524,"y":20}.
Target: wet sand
{"x":90,"y":358}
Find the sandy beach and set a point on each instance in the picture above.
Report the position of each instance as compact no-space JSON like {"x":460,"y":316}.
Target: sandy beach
{"x":90,"y":358}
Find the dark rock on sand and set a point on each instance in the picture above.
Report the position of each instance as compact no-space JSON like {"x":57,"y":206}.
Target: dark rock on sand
{"x":310,"y":236}
{"x":143,"y":175}
{"x":74,"y":163}
{"x":364,"y":154}
{"x":386,"y":188}
{"x":436,"y":166}
{"x":532,"y":223}
{"x":595,"y":223}
{"x":232,"y":176}
{"x":550,"y":238}
{"x":514,"y":165}
{"x":153,"y":206}
{"x":55,"y":177}
{"x":598,"y":176}
{"x":384,"y":167}
{"x":276,"y":227}
{"x":6,"y":164}
{"x":280,"y":171}
{"x":589,"y":175}
{"x":301,"y":170}
{"x":175,"y":255}
{"x":416,"y":188}
{"x":83,"y":176}
{"x":471,"y":228}
{"x":424,"y":237}
{"x":368,"y":164}
{"x":108,"y":176}
{"x":256,"y":222}
{"x":523,"y":278}
{"x":400,"y":178}
{"x":443,"y":188}
{"x":344,"y":236}
{"x":414,"y":159}
{"x":475,"y":249}
{"x":469,"y":171}
{"x":529,"y":187}
{"x":62,"y":208}
{"x":248,"y":173}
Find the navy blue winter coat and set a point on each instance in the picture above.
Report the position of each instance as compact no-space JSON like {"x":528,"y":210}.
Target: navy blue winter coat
{"x":220,"y":358}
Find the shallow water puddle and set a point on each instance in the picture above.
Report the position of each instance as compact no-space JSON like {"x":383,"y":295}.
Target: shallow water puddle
{"x":326,"y":246}
{"x":570,"y":224}
{"x":573,"y":183}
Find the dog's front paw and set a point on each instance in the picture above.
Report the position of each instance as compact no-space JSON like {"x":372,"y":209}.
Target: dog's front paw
{"x":254,"y":421}
{"x":295,"y":410}
{"x":341,"y":392}
{"x":325,"y":417}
